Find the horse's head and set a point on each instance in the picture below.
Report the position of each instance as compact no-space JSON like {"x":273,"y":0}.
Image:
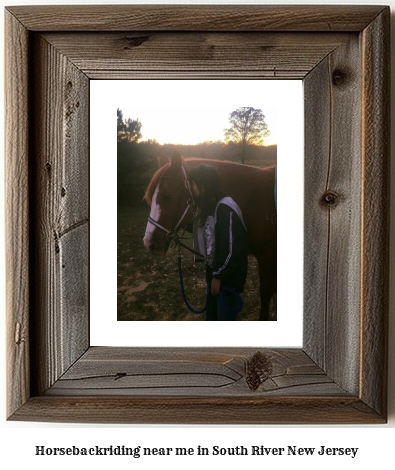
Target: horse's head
{"x":168,"y":197}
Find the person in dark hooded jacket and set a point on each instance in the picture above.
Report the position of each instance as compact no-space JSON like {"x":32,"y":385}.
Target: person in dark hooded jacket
{"x":221,"y":236}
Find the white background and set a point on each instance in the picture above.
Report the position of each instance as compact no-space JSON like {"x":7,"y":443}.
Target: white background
{"x":18,"y":440}
{"x":106,"y":96}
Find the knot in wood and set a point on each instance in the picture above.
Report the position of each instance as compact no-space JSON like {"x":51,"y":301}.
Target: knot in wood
{"x":259,"y":369}
{"x":339,"y":77}
{"x":135,"y":41}
{"x":330,"y":199}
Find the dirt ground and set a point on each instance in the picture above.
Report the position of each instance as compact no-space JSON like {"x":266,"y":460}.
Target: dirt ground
{"x":149,"y":286}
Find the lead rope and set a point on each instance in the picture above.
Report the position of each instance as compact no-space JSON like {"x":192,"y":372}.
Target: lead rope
{"x":238,"y":307}
{"x":183,"y":290}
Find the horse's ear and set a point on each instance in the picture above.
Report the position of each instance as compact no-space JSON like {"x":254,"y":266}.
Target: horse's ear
{"x":163,"y":160}
{"x":176,"y":159}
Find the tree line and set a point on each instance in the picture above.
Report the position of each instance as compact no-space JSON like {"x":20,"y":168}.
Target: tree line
{"x":137,"y":160}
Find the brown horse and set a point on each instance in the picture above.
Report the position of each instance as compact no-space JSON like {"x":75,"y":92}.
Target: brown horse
{"x":252,"y":189}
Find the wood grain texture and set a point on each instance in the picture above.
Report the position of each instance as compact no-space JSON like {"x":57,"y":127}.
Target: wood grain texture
{"x":74,"y":295}
{"x":375,"y":212}
{"x":332,"y":200}
{"x":17,"y":193}
{"x":191,"y":372}
{"x":198,"y":410}
{"x":196,"y":18}
{"x":195,"y":55}
{"x":317,"y":114}
{"x":61,"y":213}
{"x":339,"y":376}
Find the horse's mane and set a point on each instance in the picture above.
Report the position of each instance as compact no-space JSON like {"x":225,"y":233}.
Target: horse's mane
{"x":153,"y":183}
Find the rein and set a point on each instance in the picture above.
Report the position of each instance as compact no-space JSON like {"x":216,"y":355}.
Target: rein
{"x":183,"y":290}
{"x":231,"y":311}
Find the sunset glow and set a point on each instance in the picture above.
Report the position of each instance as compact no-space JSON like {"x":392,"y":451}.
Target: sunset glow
{"x":187,"y":125}
{"x":195,"y":111}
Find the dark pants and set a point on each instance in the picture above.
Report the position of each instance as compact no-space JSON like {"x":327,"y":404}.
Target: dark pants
{"x":218,"y":308}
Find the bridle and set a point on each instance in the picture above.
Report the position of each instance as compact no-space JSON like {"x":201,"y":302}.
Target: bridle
{"x":171,"y":234}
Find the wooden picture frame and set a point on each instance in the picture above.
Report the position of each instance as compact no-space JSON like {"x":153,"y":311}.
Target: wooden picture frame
{"x":340,"y":373}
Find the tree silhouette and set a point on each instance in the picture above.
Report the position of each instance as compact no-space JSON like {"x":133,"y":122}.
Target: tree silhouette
{"x":129,"y":129}
{"x":248,"y":127}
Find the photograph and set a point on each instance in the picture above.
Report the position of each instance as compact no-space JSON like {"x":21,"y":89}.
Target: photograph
{"x":196,"y":206}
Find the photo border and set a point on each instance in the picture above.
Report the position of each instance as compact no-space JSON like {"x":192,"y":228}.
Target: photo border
{"x":340,"y":374}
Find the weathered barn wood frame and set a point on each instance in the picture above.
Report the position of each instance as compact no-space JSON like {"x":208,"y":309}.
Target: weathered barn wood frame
{"x":340,"y":373}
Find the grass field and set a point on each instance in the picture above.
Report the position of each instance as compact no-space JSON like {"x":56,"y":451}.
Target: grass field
{"x":149,"y":286}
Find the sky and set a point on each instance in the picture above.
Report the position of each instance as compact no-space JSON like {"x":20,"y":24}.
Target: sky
{"x":194,"y":111}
